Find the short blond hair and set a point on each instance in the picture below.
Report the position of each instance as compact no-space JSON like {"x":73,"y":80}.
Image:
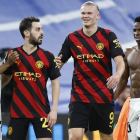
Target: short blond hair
{"x":90,"y":3}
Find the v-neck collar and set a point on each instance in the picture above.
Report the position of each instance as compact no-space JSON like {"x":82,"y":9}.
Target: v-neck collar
{"x":31,"y":53}
{"x":92,"y":34}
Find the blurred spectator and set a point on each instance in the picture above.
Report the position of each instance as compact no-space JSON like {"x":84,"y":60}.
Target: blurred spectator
{"x":121,"y":99}
{"x":7,"y":91}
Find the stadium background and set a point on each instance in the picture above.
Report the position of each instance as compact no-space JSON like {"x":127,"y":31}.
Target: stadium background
{"x":59,"y":18}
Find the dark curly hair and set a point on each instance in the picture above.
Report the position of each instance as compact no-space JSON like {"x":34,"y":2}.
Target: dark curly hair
{"x":26,"y":24}
{"x":137,"y":19}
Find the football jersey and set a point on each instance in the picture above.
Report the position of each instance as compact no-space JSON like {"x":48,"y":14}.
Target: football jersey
{"x":30,"y":73}
{"x":92,"y":64}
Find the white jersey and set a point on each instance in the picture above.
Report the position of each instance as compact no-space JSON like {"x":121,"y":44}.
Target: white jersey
{"x":134,"y":119}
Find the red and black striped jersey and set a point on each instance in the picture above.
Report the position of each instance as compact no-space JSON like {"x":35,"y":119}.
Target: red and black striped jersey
{"x":92,"y":64}
{"x":30,"y":73}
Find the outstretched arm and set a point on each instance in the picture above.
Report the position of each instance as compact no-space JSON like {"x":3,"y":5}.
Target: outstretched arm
{"x":114,"y":79}
{"x":52,"y":116}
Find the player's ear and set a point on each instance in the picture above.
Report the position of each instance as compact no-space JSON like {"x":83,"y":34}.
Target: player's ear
{"x":98,"y":16}
{"x":26,"y":33}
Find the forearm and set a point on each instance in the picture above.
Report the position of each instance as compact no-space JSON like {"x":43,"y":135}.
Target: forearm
{"x":5,"y":79}
{"x":4,"y":67}
{"x":55,"y":93}
{"x":120,"y":87}
{"x":120,"y":66}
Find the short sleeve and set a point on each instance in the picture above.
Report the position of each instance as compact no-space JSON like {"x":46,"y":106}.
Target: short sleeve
{"x":114,"y":45}
{"x":65,"y":50}
{"x":53,"y":68}
{"x":9,"y":70}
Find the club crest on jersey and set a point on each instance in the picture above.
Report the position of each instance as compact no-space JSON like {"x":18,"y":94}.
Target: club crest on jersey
{"x":10,"y":130}
{"x":100,"y":46}
{"x":39,"y":64}
{"x":80,"y":47}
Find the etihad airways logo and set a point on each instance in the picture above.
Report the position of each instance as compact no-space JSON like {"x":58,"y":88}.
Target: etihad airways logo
{"x":29,"y":76}
{"x":90,"y":57}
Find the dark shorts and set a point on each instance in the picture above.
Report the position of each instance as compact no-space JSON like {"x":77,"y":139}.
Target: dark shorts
{"x":91,"y":116}
{"x":18,"y":128}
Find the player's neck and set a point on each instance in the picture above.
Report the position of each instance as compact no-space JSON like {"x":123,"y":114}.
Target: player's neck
{"x":89,"y":31}
{"x":138,"y":47}
{"x":29,"y":48}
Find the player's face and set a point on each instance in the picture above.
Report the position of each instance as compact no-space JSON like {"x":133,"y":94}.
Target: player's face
{"x":36,"y":34}
{"x":89,"y":15}
{"x":136,"y":31}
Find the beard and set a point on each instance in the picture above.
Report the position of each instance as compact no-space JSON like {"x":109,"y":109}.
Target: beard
{"x":34,"y":41}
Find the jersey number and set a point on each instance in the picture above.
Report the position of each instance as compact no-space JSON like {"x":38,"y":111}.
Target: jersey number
{"x":111,"y":116}
{"x":44,"y":125}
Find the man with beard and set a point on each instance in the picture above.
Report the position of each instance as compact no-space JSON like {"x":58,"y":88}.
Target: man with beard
{"x":31,"y":71}
{"x":91,"y":106}
{"x":132,"y":69}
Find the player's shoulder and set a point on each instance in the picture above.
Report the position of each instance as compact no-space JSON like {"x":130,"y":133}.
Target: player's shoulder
{"x":107,"y":31}
{"x":46,"y":51}
{"x":76,"y":33}
{"x":14,"y":49}
{"x":127,"y":51}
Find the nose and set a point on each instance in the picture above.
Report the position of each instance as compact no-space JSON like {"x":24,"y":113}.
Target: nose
{"x":137,"y":32}
{"x":42,"y":32}
{"x":85,"y":15}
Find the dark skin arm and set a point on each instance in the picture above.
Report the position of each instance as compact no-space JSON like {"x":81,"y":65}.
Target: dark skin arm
{"x":123,"y":80}
{"x":12,"y":57}
{"x":5,"y":79}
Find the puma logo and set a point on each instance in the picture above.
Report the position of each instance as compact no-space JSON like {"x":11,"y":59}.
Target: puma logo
{"x":17,"y":62}
{"x":80,"y":47}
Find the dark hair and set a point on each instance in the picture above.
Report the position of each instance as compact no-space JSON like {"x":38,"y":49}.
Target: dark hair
{"x":137,"y":19}
{"x":26,"y":24}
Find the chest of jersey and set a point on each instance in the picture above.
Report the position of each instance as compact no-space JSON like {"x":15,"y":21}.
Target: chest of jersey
{"x":89,"y":50}
{"x":30,"y":68}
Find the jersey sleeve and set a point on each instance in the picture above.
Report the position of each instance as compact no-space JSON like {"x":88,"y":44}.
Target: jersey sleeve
{"x":9,"y":70}
{"x":114,"y":44}
{"x":65,"y":50}
{"x":53,"y":68}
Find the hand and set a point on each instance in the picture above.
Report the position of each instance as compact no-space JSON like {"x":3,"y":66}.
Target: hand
{"x":113,"y":81}
{"x":59,"y":62}
{"x":12,"y":57}
{"x":52,"y":118}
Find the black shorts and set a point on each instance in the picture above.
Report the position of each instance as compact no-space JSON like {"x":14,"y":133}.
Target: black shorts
{"x":18,"y":128}
{"x":91,"y":116}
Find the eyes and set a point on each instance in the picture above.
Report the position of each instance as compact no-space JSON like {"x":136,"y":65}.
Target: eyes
{"x":38,"y":29}
{"x":135,"y":30}
{"x":88,"y":13}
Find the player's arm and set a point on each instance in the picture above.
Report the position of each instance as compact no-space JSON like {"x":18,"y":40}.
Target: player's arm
{"x":64,"y":54}
{"x":114,"y":79}
{"x":117,"y":54}
{"x":5,"y":79}
{"x":52,"y":116}
{"x":123,"y":80}
{"x":59,"y":62}
{"x":12,"y":57}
